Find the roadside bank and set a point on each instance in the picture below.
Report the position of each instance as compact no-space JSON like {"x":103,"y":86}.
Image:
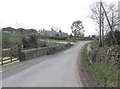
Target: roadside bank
{"x":97,"y":73}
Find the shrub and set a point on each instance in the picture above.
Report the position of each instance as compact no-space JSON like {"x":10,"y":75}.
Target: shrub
{"x":109,"y":40}
{"x":32,"y":40}
{"x":25,"y":43}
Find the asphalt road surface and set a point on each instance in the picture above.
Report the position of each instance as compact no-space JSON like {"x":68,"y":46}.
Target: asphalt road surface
{"x":58,"y":70}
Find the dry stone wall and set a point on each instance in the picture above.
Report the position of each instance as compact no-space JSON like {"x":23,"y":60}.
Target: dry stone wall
{"x":108,"y":55}
{"x":37,"y":52}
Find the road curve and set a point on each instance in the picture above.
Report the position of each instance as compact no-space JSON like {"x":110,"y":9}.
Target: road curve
{"x":59,"y":70}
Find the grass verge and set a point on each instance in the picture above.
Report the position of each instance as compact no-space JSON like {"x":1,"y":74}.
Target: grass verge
{"x":105,"y":75}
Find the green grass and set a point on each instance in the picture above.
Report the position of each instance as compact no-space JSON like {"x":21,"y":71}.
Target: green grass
{"x":11,"y":38}
{"x":15,"y":39}
{"x":105,"y":75}
{"x":94,"y":44}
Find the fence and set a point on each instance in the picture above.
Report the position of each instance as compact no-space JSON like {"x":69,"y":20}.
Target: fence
{"x":12,"y":54}
{"x":8,"y":56}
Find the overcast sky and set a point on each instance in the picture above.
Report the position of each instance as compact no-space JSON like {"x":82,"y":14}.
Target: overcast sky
{"x":40,"y":14}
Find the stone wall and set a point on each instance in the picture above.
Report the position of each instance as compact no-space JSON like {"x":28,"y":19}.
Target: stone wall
{"x":108,"y":55}
{"x":37,"y":52}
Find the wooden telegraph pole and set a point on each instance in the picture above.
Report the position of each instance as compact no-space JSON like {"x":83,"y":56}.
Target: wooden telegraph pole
{"x":111,"y":28}
{"x":100,"y":39}
{"x":101,"y":24}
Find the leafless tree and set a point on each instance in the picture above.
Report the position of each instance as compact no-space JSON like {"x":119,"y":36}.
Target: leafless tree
{"x":110,"y":10}
{"x":113,"y":15}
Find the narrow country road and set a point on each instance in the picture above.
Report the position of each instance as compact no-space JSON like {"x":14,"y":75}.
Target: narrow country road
{"x":58,"y":70}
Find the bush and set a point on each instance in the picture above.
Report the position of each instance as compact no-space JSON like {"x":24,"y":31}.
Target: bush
{"x":32,"y":40}
{"x":25,"y":43}
{"x":109,"y":40}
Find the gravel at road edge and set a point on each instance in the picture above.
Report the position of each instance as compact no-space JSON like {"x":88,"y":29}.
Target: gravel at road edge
{"x":86,"y":77}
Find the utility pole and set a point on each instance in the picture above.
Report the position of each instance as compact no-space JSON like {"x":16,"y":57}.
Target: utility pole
{"x":109,"y":23}
{"x":100,"y":25}
{"x":102,"y":28}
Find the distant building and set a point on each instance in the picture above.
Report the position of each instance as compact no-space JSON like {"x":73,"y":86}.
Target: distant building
{"x":19,"y":31}
{"x":33,"y":31}
{"x":8,"y":30}
{"x":62,"y":34}
{"x":48,"y":33}
{"x":26,"y":32}
{"x":52,"y":33}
